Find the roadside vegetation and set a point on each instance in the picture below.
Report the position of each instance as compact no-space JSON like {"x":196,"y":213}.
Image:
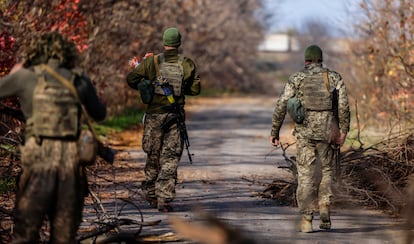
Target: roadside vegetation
{"x":118,"y":123}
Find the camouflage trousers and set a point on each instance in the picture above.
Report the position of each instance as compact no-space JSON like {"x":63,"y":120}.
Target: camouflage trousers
{"x":52,"y":184}
{"x":314,"y":162}
{"x":164,"y":150}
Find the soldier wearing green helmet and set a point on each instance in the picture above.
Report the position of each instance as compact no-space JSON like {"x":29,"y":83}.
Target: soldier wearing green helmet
{"x":163,"y":81}
{"x":320,"y":130}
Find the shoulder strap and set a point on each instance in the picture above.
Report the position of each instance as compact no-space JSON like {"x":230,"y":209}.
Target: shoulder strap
{"x":71,"y":88}
{"x":326,"y":81}
{"x":157,"y":67}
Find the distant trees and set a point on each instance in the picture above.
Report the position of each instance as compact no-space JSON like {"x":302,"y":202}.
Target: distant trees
{"x":221,"y":36}
{"x":383,"y":61}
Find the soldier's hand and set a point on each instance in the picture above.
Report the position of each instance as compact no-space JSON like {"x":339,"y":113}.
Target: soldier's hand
{"x":274,"y":141}
{"x":16,"y":67}
{"x":340,"y":140}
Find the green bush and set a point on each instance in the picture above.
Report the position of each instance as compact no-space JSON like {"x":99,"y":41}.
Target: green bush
{"x":120,"y":122}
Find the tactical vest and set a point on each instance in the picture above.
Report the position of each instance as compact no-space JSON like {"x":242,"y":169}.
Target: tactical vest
{"x":173,"y":73}
{"x":316,"y":93}
{"x":55,"y":109}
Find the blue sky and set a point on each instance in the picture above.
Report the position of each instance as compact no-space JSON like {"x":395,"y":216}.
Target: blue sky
{"x":293,"y":13}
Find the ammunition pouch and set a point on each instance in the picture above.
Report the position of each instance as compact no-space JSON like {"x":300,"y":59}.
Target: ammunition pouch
{"x":296,"y":110}
{"x":87,"y":147}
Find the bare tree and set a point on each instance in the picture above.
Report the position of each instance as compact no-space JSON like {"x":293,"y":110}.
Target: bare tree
{"x":221,"y":36}
{"x":384,"y":62}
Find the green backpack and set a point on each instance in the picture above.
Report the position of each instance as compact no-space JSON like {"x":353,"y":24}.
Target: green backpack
{"x":295,"y":110}
{"x":146,"y":91}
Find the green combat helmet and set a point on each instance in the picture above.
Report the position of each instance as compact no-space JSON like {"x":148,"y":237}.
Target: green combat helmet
{"x":313,"y":52}
{"x":172,"y":37}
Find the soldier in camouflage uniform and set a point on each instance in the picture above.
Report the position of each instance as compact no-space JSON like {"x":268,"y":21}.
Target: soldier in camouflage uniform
{"x":314,"y":143}
{"x":53,"y":181}
{"x":164,"y":147}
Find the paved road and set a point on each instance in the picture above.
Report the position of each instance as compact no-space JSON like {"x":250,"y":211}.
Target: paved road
{"x":229,"y":141}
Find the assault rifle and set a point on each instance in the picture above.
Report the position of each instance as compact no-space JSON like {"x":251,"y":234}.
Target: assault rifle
{"x":178,"y":118}
{"x":336,"y":147}
{"x":334,"y":126}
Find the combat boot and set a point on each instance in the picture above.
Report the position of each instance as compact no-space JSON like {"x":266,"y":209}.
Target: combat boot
{"x":152,"y":201}
{"x":325,"y":217}
{"x":163,"y":206}
{"x":305,"y":224}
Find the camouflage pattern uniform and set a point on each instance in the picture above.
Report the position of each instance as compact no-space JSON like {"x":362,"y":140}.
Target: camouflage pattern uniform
{"x":53,"y":182}
{"x":163,"y":148}
{"x":312,"y":138}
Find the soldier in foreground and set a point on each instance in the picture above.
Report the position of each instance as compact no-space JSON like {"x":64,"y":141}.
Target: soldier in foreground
{"x":163,"y":81}
{"x":318,"y":130}
{"x":53,"y":181}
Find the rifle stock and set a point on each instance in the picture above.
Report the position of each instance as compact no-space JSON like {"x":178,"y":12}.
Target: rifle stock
{"x":336,"y":147}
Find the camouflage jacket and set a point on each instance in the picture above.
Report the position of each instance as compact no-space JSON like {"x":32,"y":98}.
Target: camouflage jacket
{"x":316,"y":123}
{"x":146,"y":71}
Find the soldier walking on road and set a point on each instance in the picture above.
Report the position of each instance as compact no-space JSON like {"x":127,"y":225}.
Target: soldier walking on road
{"x":163,"y":81}
{"x":318,"y":131}
{"x":53,"y":181}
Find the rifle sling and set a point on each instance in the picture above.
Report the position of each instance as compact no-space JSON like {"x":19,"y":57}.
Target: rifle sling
{"x":326,"y":81}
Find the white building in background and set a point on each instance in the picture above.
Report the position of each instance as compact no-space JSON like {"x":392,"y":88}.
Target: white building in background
{"x":285,"y":43}
{"x":279,"y":42}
